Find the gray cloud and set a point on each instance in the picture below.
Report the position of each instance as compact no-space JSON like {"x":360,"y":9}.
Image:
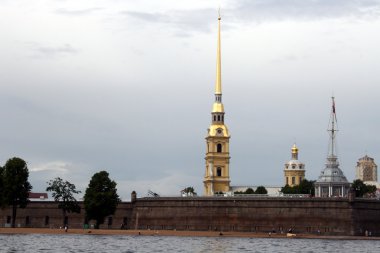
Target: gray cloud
{"x":264,"y":10}
{"x":40,"y":51}
{"x":79,"y":12}
{"x":184,"y":23}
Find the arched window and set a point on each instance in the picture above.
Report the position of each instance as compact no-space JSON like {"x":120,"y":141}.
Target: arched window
{"x":219,"y":148}
{"x":218,"y":117}
{"x":219,"y":172}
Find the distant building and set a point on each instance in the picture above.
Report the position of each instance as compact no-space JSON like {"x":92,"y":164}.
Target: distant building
{"x":36,"y":196}
{"x":366,"y":169}
{"x":294,"y":171}
{"x":332,"y":182}
{"x":217,"y":173}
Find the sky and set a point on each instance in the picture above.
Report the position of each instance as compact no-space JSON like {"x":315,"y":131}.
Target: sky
{"x":126,"y":86}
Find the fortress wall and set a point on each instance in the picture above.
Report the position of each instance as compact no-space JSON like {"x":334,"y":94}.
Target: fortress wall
{"x":252,"y":214}
{"x":303,"y":215}
{"x":37,"y":211}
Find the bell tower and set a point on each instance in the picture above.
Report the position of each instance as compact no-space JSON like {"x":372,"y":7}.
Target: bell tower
{"x":217,"y":174}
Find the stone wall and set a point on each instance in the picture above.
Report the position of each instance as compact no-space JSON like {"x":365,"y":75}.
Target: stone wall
{"x":332,"y":216}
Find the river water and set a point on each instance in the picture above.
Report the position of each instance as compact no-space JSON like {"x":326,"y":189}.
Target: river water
{"x":99,"y":243}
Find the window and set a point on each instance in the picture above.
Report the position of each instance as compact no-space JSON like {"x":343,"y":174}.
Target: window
{"x":46,"y":220}
{"x":218,"y":117}
{"x":219,"y":172}
{"x":109,"y":221}
{"x":27,"y":221}
{"x":66,"y":220}
{"x":219,"y":148}
{"x":293,"y":180}
{"x":9,"y":219}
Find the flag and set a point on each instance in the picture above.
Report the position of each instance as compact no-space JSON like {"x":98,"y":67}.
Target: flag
{"x":333,"y":106}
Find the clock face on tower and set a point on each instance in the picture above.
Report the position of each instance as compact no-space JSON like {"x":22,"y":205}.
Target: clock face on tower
{"x":219,"y":131}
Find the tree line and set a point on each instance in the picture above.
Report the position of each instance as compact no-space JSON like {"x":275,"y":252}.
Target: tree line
{"x":100,"y":199}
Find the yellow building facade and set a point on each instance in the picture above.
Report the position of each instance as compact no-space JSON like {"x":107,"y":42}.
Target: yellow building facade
{"x":217,"y":172}
{"x":294,"y":171}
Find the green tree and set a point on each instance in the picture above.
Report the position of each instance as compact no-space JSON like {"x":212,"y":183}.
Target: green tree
{"x":1,"y":188}
{"x":362,"y":189}
{"x":249,"y":191}
{"x":16,"y":187}
{"x":101,"y":198}
{"x":63,"y":194}
{"x":189,"y":191}
{"x":261,"y":190}
{"x":305,"y":187}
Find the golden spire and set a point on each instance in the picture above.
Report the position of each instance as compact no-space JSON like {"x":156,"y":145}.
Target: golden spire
{"x":218,"y":82}
{"x":218,"y":106}
{"x":294,"y":152}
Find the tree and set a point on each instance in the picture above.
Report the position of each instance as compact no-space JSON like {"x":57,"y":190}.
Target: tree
{"x":249,"y":191}
{"x":189,"y":191}
{"x":63,"y":194}
{"x":1,"y":187}
{"x":16,"y":187}
{"x":305,"y":187}
{"x":261,"y":190}
{"x":361,"y":189}
{"x":101,"y":198}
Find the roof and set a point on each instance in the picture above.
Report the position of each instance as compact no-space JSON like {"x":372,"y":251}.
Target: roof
{"x":38,"y":195}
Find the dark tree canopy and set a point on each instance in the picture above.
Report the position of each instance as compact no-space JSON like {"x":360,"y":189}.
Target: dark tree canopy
{"x":101,"y":198}
{"x":16,"y":186}
{"x":1,"y":188}
{"x":189,"y":191}
{"x":249,"y":191}
{"x":261,"y":190}
{"x":305,"y":187}
{"x":362,"y":189}
{"x":63,"y":194}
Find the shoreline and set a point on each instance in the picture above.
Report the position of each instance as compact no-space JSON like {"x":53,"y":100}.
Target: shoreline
{"x":176,"y":233}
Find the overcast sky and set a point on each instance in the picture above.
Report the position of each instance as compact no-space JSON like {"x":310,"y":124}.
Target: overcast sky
{"x":127,"y":86}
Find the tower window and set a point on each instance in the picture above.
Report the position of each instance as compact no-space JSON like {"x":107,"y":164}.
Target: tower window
{"x":219,"y":172}
{"x":214,"y":118}
{"x":218,"y":117}
{"x":219,"y":148}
